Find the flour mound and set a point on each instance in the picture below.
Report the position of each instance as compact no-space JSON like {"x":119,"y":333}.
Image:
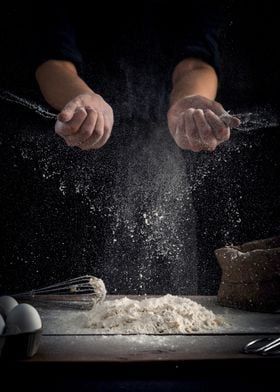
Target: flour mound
{"x":166,"y":314}
{"x":99,"y":289}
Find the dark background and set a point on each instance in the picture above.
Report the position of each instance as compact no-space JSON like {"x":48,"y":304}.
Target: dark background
{"x":140,"y":213}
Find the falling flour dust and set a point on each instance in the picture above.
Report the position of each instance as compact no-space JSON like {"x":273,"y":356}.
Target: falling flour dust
{"x":167,"y":314}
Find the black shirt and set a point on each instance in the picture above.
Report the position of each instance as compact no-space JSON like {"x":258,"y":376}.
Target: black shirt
{"x":173,"y":29}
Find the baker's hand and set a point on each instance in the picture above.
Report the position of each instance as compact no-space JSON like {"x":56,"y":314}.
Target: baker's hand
{"x":197,"y":123}
{"x":85,"y":122}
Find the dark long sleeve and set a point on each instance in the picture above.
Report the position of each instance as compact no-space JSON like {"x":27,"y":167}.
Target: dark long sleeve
{"x":193,"y":29}
{"x":54,"y":35}
{"x":203,"y":40}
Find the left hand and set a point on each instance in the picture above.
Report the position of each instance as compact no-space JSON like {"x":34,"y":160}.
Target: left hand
{"x":85,"y":122}
{"x":199,"y":124}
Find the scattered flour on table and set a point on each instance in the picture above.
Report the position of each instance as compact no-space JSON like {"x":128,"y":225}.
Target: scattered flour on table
{"x":166,"y":314}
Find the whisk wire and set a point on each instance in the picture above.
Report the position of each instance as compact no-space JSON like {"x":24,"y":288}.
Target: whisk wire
{"x":80,"y":292}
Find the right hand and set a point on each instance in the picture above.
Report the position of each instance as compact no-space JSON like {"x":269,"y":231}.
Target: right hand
{"x":85,"y":122}
{"x":199,"y":124}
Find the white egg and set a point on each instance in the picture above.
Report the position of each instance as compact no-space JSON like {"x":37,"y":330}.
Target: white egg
{"x":22,"y":319}
{"x":7,"y":303}
{"x":2,"y":325}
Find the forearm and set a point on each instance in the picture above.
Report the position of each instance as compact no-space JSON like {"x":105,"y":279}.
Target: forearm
{"x":193,"y":77}
{"x":59,"y":82}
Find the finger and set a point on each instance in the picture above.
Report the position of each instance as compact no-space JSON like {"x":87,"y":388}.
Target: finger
{"x":67,"y":112}
{"x":102,"y":141}
{"x":180,"y":136}
{"x":86,"y":129}
{"x":206,"y":134}
{"x":107,"y":132}
{"x":96,"y":134}
{"x":221,"y":131}
{"x":108,"y":125}
{"x":217,"y":108}
{"x":191,"y":131}
{"x":230,"y":121}
{"x":72,"y":126}
{"x":179,"y":128}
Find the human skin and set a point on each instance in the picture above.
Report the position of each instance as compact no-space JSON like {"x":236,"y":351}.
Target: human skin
{"x":196,"y":121}
{"x":85,"y":119}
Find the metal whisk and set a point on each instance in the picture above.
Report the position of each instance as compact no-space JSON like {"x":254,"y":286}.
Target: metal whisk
{"x":82,"y":292}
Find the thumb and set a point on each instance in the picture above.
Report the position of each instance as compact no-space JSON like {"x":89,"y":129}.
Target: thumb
{"x":65,"y":115}
{"x":230,"y":121}
{"x":67,"y":112}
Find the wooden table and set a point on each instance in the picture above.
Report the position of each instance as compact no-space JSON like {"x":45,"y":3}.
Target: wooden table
{"x":71,"y":355}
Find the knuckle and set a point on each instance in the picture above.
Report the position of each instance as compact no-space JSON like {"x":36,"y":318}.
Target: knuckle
{"x":198,"y":112}
{"x":189,"y":112}
{"x":99,"y":132}
{"x":89,"y":108}
{"x":92,"y":111}
{"x":72,"y":128}
{"x":76,"y":102}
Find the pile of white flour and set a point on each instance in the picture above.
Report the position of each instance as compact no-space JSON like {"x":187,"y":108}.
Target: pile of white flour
{"x":166,"y":314}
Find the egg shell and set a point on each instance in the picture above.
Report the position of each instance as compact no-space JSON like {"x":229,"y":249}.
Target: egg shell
{"x":7,"y":304}
{"x":23,"y":318}
{"x":2,"y":325}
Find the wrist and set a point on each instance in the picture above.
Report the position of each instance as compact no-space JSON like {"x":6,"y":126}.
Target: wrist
{"x":193,"y":77}
{"x":178,"y":95}
{"x":59,"y":83}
